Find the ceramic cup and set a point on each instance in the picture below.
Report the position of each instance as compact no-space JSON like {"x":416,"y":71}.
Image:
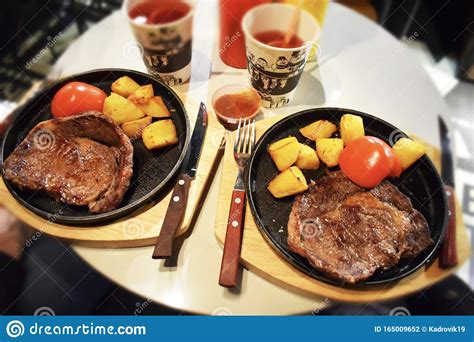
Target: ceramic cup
{"x":166,"y":47}
{"x":275,"y":72}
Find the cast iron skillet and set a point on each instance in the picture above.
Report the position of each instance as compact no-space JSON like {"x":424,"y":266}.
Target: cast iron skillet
{"x":421,"y":183}
{"x":152,"y":170}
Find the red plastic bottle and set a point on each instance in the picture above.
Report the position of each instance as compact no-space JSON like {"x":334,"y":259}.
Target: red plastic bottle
{"x":232,"y":40}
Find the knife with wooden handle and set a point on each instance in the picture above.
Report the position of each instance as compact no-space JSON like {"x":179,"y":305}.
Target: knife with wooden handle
{"x":448,"y":256}
{"x":177,"y":206}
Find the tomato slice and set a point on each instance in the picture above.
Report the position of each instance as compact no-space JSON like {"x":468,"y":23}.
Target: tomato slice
{"x":367,"y":161}
{"x":77,"y":97}
{"x":396,"y":170}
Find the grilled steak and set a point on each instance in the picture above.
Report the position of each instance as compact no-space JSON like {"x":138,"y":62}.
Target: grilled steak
{"x":348,"y":232}
{"x":80,"y":160}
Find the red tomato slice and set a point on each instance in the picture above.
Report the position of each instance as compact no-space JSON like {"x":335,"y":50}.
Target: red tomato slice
{"x":396,"y":170}
{"x":77,"y":97}
{"x":366,"y":161}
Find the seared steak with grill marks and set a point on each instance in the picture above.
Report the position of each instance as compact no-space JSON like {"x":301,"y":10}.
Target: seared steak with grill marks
{"x":348,"y":232}
{"x":80,"y":160}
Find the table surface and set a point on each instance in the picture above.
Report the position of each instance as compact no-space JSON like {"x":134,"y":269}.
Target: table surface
{"x":361,"y":66}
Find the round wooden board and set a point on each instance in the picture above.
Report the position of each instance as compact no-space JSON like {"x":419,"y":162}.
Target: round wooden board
{"x":142,"y":227}
{"x":259,"y":257}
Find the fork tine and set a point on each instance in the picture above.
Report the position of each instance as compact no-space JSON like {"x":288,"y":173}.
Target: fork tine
{"x":253,"y":137}
{"x":242,"y":140}
{"x":247,"y":137}
{"x":242,"y":136}
{"x":237,"y":137}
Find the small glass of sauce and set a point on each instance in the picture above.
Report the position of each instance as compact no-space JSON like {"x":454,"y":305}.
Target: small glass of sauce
{"x":234,"y":102}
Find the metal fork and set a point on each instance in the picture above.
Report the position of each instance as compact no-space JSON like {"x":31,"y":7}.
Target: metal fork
{"x":243,"y":148}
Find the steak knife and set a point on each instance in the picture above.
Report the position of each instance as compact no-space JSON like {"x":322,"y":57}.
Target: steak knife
{"x":448,"y":256}
{"x":177,"y":207}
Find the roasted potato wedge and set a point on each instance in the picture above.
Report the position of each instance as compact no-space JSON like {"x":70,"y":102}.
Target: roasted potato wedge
{"x":142,"y":94}
{"x":352,"y":127}
{"x":318,"y":129}
{"x":133,"y":129}
{"x":155,"y":107}
{"x":329,"y":150}
{"x":408,"y":151}
{"x":307,"y":158}
{"x":289,"y":182}
{"x":160,"y":134}
{"x":125,"y":86}
{"x":284,"y":152}
{"x":121,"y":110}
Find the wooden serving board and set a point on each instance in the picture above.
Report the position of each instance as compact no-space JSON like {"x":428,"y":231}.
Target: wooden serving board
{"x":259,"y":257}
{"x":142,"y":227}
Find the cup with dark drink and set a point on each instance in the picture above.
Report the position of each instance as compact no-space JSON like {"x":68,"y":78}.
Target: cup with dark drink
{"x":163,"y":28}
{"x":275,"y":63}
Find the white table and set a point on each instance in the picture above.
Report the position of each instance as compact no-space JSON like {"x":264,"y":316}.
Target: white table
{"x":361,"y":67}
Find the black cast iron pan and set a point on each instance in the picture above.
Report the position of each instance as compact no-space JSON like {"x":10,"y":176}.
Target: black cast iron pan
{"x":421,"y":183}
{"x":152,"y":170}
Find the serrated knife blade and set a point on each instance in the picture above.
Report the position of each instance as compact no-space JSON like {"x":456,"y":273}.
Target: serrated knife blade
{"x":197,"y":142}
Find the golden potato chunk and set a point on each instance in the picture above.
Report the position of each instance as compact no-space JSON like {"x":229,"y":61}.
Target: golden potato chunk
{"x":155,"y":107}
{"x":289,"y":182}
{"x":307,"y":159}
{"x":133,"y":129}
{"x":409,"y":151}
{"x":329,"y":150}
{"x":318,"y":129}
{"x":160,"y":134}
{"x":284,"y":152}
{"x":142,"y":94}
{"x":124,"y":86}
{"x":352,"y":127}
{"x":121,"y":110}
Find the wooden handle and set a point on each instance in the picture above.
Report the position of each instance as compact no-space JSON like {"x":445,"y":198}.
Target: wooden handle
{"x":233,"y":240}
{"x":449,"y":256}
{"x":173,"y":218}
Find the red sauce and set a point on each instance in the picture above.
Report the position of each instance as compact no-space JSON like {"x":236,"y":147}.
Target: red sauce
{"x":158,"y":11}
{"x":237,"y":105}
{"x":276,"y":39}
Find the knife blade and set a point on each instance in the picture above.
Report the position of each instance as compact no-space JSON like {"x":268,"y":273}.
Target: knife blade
{"x":448,"y":254}
{"x":447,"y":168}
{"x":197,"y":140}
{"x":177,"y":206}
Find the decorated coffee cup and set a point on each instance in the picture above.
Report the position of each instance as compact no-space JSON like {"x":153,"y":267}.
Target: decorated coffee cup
{"x":275,"y":71}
